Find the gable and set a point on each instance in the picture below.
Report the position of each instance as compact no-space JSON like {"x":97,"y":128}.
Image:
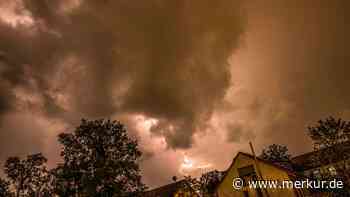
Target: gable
{"x":243,"y":165}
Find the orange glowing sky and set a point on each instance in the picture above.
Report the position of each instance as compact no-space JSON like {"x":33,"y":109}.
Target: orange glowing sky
{"x":193,"y":81}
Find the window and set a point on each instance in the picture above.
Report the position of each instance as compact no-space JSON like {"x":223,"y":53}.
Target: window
{"x":246,"y":171}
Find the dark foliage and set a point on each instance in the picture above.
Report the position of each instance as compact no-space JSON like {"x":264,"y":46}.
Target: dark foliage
{"x":277,"y":154}
{"x":29,"y":176}
{"x":4,"y":188}
{"x":203,"y":186}
{"x":329,"y":132}
{"x":99,"y":160}
{"x":209,"y":182}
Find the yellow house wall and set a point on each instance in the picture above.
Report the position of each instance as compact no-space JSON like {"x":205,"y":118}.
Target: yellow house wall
{"x":269,"y":172}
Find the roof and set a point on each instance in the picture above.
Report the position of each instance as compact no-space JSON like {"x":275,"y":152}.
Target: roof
{"x":307,"y":161}
{"x":304,"y":161}
{"x":289,"y":172}
{"x":165,"y":191}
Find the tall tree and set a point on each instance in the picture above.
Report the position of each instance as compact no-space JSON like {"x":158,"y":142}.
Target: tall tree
{"x":331,"y":139}
{"x":277,"y":154}
{"x":29,"y":176}
{"x":99,"y":160}
{"x":4,"y":188}
{"x":329,"y":132}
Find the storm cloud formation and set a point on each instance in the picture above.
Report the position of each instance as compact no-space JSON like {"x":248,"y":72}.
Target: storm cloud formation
{"x":292,"y":71}
{"x":167,"y":61}
{"x":163,"y":59}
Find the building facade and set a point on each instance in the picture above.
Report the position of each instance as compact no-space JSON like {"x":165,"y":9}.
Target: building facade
{"x":245,"y":167}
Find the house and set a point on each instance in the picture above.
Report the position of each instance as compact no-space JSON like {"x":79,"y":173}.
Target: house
{"x":309,"y":164}
{"x":248,"y":168}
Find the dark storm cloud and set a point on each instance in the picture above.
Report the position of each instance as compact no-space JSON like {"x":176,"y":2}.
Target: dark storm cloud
{"x":168,"y":60}
{"x":26,"y":54}
{"x":163,"y":59}
{"x":295,"y":65}
{"x":187,"y":72}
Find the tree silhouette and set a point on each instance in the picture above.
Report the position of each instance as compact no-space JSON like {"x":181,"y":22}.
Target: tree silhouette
{"x":174,"y":178}
{"x":99,"y":160}
{"x":329,"y":132}
{"x":278,"y":154}
{"x":209,"y":181}
{"x":189,"y":187}
{"x":4,"y":188}
{"x":203,"y":186}
{"x":29,"y":176}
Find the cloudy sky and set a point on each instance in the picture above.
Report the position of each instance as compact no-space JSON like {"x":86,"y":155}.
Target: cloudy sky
{"x":194,"y":81}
